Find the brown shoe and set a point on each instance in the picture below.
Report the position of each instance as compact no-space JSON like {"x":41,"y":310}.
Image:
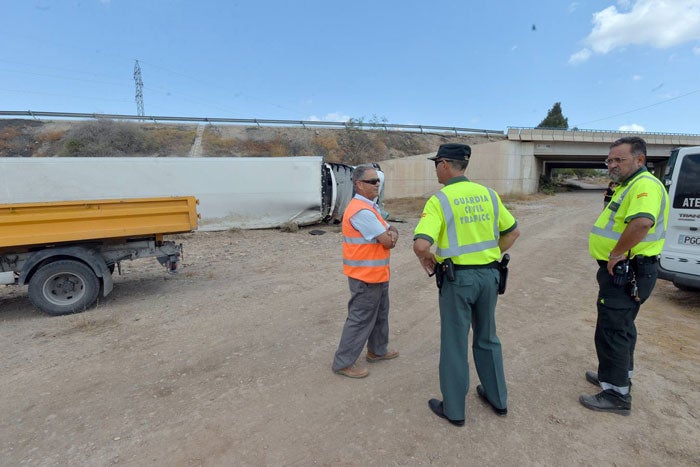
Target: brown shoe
{"x":373,"y":357}
{"x":353,"y":372}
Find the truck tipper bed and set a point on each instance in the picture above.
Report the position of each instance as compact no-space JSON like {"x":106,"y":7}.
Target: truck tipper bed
{"x":66,"y":250}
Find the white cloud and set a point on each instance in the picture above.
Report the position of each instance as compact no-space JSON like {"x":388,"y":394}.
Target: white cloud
{"x":632,"y":127}
{"x":331,"y":117}
{"x":573,"y":6}
{"x":580,"y":56}
{"x":636,"y":78}
{"x":656,"y":23}
{"x":696,"y":50}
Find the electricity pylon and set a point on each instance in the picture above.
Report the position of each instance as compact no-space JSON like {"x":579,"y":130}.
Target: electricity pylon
{"x":139,"y":89}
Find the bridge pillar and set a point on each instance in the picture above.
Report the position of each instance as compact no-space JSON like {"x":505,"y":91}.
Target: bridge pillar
{"x":509,"y":167}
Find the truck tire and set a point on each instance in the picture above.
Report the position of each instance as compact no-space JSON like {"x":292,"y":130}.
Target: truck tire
{"x":63,"y":287}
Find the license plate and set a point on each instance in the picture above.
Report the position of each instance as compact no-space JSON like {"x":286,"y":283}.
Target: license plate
{"x":689,"y":240}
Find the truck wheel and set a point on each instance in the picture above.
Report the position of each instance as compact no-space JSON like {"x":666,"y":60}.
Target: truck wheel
{"x":63,"y":287}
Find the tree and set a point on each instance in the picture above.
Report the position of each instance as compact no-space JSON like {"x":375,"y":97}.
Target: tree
{"x":554,"y":118}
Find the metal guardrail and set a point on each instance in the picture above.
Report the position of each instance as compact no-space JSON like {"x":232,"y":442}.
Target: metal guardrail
{"x":578,"y":130}
{"x":561,"y":135}
{"x":250,"y":121}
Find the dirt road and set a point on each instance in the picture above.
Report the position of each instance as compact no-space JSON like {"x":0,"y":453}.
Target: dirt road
{"x":228,"y":363}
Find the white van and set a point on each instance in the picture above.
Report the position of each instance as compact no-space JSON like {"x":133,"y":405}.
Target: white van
{"x":680,"y":258}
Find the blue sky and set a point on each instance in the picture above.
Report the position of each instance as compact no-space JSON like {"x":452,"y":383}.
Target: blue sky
{"x":631,"y":65}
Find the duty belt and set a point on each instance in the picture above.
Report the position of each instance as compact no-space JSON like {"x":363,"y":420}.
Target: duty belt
{"x":491,"y":265}
{"x":637,"y":259}
{"x":645,"y":259}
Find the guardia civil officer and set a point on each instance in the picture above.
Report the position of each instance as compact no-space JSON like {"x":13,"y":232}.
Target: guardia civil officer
{"x":470,"y":228}
{"x":626,"y":241}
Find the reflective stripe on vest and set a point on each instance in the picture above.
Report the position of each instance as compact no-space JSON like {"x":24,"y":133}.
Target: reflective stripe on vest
{"x":454,"y":248}
{"x":608,"y":232}
{"x":366,"y":262}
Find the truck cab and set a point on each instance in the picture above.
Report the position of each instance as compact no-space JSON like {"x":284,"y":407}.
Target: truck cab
{"x":680,"y":258}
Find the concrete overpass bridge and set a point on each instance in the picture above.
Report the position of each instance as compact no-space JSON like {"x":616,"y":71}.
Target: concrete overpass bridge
{"x":588,"y":149}
{"x":514,"y":164}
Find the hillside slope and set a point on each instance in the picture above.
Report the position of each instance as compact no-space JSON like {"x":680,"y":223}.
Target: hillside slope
{"x":108,"y":138}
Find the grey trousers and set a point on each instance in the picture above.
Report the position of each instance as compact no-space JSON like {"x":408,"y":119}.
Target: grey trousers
{"x":367,"y":322}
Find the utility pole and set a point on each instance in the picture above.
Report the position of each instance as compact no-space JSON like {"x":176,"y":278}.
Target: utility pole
{"x":139,"y":89}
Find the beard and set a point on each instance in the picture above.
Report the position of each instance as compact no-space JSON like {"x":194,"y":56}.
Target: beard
{"x":615,"y":176}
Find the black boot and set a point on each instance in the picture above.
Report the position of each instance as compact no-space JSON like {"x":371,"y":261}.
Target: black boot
{"x":608,"y":401}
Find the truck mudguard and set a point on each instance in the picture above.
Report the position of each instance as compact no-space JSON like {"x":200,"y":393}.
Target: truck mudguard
{"x":84,"y":253}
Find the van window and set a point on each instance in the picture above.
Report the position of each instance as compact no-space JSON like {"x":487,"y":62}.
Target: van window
{"x":668,"y":174}
{"x":687,"y":194}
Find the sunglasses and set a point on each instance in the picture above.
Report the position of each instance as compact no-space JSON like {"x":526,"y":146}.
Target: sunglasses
{"x":371,"y":181}
{"x":437,"y":162}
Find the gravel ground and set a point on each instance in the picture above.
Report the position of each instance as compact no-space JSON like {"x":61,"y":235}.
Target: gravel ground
{"x":228,"y":362}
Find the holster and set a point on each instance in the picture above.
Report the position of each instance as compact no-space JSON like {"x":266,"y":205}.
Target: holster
{"x":444,"y":270}
{"x":503,"y":270}
{"x":438,"y":275}
{"x":621,"y":273}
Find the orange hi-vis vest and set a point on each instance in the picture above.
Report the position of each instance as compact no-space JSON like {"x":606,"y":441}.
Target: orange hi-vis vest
{"x":364,"y":260}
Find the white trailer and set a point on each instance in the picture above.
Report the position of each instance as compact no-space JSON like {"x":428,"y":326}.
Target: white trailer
{"x":233,"y":192}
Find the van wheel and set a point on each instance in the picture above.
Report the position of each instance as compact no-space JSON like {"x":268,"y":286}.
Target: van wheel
{"x":63,"y":287}
{"x":686,"y":288}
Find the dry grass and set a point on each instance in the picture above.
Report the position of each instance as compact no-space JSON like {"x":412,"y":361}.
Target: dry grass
{"x":172,"y":140}
{"x":522,"y":198}
{"x":89,"y":322}
{"x":14,"y":142}
{"x":217,"y":146}
{"x":51,"y":136}
{"x":103,"y":138}
{"x":289,"y":227}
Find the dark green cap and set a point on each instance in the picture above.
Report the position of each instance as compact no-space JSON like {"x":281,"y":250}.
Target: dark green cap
{"x":454,"y":151}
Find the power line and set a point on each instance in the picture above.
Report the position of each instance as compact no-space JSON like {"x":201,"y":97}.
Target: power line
{"x":211,"y":85}
{"x":640,"y":108}
{"x":139,"y":90}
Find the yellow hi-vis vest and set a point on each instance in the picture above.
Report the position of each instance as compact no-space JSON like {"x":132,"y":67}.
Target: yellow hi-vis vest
{"x":465,"y":219}
{"x":364,"y":260}
{"x":642,"y":196}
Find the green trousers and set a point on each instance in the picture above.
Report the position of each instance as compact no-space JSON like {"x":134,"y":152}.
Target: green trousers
{"x":470,"y":300}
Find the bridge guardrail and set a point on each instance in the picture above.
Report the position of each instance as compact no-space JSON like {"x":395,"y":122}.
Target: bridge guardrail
{"x":598,"y":136}
{"x":251,"y":121}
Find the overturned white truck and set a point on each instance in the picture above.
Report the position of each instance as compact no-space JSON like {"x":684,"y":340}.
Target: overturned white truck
{"x":233,"y":192}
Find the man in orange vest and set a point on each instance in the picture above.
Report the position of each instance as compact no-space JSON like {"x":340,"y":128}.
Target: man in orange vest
{"x":367,"y":239}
